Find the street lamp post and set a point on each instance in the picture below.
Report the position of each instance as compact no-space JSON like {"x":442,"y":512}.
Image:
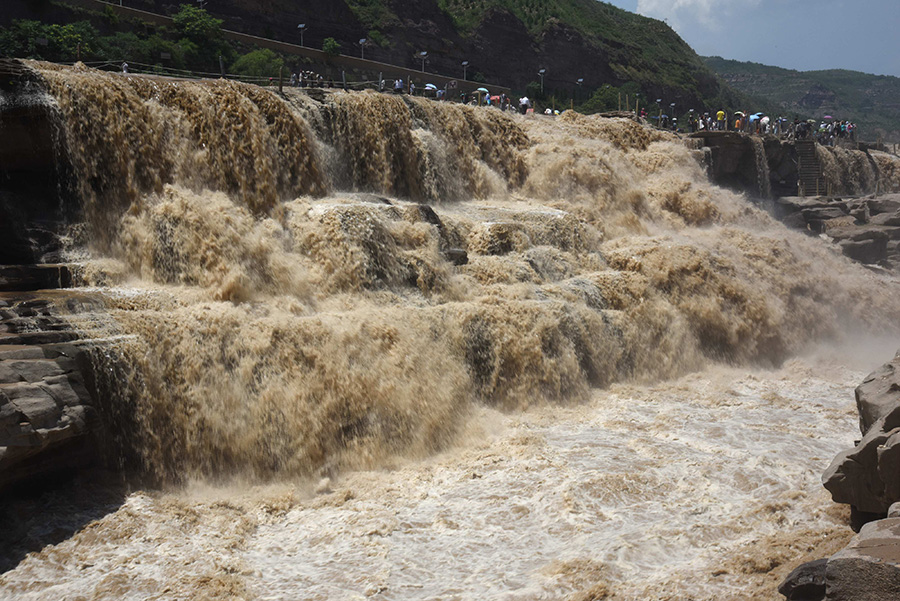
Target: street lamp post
{"x":465,"y":66}
{"x":423,"y":55}
{"x":578,"y":83}
{"x":302,"y":28}
{"x":362,"y":48}
{"x":541,"y":73}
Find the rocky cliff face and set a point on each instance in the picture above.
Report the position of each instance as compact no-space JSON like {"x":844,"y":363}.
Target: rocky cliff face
{"x":851,"y":210}
{"x":47,"y":416}
{"x":868,"y":478}
{"x":499,"y":47}
{"x":47,"y":419}
{"x":34,"y":199}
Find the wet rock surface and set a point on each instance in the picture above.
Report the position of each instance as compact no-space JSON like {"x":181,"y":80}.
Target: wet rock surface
{"x":866,"y":478}
{"x":35,"y":198}
{"x":806,"y":583}
{"x":865,"y":229}
{"x":47,"y":415}
{"x":868,"y":569}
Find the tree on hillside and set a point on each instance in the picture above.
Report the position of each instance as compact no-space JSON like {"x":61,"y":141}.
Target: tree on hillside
{"x":203,"y":41}
{"x":61,"y":43}
{"x":331,"y":47}
{"x":197,"y":25}
{"x":259,"y":63}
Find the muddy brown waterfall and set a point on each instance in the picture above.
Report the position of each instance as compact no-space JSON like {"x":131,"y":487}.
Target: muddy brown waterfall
{"x":289,"y":323}
{"x":334,"y":323}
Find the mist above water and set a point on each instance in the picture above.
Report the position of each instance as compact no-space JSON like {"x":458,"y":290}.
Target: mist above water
{"x":604,"y":401}
{"x":291,"y":309}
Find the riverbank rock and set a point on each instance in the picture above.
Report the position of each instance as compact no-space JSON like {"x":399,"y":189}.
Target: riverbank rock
{"x":866,"y":476}
{"x":878,"y":394}
{"x":806,"y":583}
{"x":47,"y":415}
{"x":868,"y":569}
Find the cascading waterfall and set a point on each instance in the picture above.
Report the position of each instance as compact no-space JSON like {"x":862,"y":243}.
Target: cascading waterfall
{"x":849,"y":172}
{"x":762,"y":167}
{"x":281,"y":305}
{"x":599,"y":254}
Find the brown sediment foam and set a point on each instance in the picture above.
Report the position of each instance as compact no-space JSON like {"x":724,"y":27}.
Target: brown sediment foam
{"x":415,"y":148}
{"x":888,"y":171}
{"x":847,"y":172}
{"x":304,"y":329}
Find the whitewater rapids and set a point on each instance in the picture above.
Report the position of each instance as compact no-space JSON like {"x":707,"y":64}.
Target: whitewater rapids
{"x":705,"y":488}
{"x":615,"y":397}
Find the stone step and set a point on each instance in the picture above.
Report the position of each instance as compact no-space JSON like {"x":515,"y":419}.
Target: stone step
{"x":37,"y":338}
{"x":27,"y":278}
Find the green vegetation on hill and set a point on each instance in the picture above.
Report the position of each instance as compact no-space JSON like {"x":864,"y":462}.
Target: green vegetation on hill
{"x":869,"y":100}
{"x":617,"y":53}
{"x":643,"y":54}
{"x":194,"y":43}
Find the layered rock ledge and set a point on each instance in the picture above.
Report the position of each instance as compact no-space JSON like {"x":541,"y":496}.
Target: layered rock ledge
{"x":867,"y":477}
{"x":48,"y":420}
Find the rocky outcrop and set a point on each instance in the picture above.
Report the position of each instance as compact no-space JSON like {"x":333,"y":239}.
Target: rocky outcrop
{"x":868,"y":569}
{"x":47,"y":415}
{"x":878,"y":395}
{"x":34,"y":197}
{"x":738,"y":161}
{"x":866,"y":229}
{"x":866,"y":477}
{"x":806,"y":583}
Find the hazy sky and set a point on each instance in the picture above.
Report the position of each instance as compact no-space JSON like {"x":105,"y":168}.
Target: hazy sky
{"x":863,"y":35}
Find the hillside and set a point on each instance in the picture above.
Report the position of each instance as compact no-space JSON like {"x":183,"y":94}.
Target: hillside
{"x":505,"y":41}
{"x":873,"y":101}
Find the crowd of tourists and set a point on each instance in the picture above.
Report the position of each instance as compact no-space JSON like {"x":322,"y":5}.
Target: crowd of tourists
{"x":310,"y":79}
{"x":827,"y":132}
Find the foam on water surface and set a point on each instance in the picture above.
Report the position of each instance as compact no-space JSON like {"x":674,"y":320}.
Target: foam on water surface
{"x":280,"y":310}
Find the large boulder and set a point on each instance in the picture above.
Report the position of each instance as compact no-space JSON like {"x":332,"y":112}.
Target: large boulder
{"x":866,"y":243}
{"x":824,"y":213}
{"x":868,"y":569}
{"x":806,"y":583}
{"x":889,"y":203}
{"x":867,"y":477}
{"x":865,"y":251}
{"x":890,"y":219}
{"x":878,"y":394}
{"x":855,"y":475}
{"x":47,"y":415}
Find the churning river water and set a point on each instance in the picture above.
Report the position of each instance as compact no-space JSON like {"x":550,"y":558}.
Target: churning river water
{"x":627,"y":390}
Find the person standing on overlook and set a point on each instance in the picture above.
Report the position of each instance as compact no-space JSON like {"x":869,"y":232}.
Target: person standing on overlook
{"x":720,"y":121}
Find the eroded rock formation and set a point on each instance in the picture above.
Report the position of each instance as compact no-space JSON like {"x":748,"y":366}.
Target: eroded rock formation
{"x":866,"y":477}
{"x":47,"y":418}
